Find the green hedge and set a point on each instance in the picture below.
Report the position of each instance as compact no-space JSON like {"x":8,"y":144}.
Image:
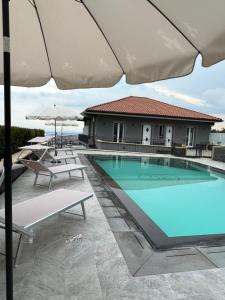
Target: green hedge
{"x":20,"y":136}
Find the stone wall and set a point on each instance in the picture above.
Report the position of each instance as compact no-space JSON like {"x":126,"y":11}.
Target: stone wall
{"x":218,"y":153}
{"x":131,"y":147}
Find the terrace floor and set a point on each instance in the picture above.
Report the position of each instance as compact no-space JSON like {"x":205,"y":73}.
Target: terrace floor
{"x":75,"y":259}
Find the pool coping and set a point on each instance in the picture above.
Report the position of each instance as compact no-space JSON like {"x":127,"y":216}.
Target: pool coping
{"x":152,"y":232}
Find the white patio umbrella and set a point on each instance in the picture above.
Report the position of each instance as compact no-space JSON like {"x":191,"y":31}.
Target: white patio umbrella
{"x":86,"y":43}
{"x":62,"y":124}
{"x":55,"y":113}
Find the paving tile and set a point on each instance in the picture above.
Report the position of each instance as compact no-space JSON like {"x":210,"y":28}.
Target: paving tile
{"x":105,"y":202}
{"x":215,"y":254}
{"x":111,"y":212}
{"x":99,"y":189}
{"x":174,"y":261}
{"x":102,"y":194}
{"x":118,"y":224}
{"x":122,"y":211}
{"x":81,"y":277}
{"x":133,"y":251}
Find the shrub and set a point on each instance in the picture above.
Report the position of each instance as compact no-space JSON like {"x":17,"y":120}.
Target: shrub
{"x":20,"y":136}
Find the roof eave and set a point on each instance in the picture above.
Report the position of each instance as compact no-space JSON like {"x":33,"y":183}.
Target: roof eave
{"x":151,"y":116}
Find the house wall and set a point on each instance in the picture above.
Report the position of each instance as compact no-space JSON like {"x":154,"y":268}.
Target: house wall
{"x":133,"y":129}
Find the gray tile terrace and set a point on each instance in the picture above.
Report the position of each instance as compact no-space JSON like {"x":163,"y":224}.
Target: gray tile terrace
{"x":75,"y":259}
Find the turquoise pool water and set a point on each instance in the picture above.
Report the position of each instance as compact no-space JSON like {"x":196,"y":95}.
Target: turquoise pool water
{"x":182,"y":198}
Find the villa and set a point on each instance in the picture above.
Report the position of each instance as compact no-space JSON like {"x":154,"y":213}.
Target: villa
{"x":144,"y":124}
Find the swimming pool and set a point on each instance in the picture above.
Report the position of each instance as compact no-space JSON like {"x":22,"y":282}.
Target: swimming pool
{"x":173,"y":200}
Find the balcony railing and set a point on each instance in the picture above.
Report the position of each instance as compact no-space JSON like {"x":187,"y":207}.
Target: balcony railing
{"x":83,"y":138}
{"x":157,"y":142}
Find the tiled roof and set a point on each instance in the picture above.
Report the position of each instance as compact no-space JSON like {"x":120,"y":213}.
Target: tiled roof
{"x":149,"y":107}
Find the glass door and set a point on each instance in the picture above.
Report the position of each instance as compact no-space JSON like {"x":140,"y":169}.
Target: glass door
{"x":118,"y":132}
{"x":190,"y":136}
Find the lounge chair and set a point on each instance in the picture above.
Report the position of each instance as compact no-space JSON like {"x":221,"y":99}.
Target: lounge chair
{"x":66,"y":150}
{"x":29,"y":213}
{"x":71,"y":149}
{"x":46,"y":155}
{"x":42,"y":152}
{"x":40,"y":169}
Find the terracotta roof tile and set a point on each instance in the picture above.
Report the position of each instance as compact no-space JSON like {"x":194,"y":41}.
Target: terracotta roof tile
{"x":149,"y":107}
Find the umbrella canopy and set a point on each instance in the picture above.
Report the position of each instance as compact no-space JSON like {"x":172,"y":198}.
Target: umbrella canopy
{"x":86,"y":43}
{"x":63,"y":123}
{"x":58,"y":113}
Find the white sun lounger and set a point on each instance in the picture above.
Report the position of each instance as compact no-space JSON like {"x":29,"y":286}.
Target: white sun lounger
{"x":63,"y":157}
{"x":46,"y":155}
{"x":32,"y":212}
{"x":71,"y":149}
{"x":66,"y":150}
{"x":42,"y":152}
{"x":40,"y":169}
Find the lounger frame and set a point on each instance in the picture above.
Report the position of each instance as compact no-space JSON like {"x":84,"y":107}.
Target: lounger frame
{"x":39,"y":169}
{"x":28,"y":230}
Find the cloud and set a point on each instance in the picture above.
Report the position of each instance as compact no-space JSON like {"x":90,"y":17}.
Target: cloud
{"x":27,"y":100}
{"x":163,"y":90}
{"x":215,"y":99}
{"x":219,"y":125}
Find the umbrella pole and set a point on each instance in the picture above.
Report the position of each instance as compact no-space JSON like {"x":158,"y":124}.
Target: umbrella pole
{"x":61,"y":137}
{"x":55,"y":139}
{"x":7,"y":150}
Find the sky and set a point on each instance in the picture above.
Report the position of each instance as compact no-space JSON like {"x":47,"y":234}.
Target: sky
{"x":203,"y":90}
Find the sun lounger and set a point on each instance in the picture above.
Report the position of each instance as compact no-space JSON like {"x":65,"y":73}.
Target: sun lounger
{"x":37,"y":149}
{"x":60,"y":158}
{"x":42,"y":152}
{"x":66,"y":150}
{"x":28,"y":214}
{"x":46,"y":155}
{"x":40,"y":169}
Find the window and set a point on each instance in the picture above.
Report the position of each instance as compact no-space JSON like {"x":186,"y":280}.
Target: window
{"x":190,"y":136}
{"x":118,"y":132}
{"x":161,"y":131}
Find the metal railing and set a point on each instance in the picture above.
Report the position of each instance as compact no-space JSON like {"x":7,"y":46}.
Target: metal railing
{"x":85,"y":138}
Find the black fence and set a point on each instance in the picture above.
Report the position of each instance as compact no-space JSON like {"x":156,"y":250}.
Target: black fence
{"x":156,"y":146}
{"x":83,"y":138}
{"x":86,"y":139}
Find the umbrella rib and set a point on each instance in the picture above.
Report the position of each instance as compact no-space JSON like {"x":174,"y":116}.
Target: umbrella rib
{"x":174,"y":25}
{"x":31,"y":3}
{"x":93,"y":18}
{"x":42,"y":32}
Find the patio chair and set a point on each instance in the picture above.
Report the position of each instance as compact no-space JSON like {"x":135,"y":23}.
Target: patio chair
{"x":46,"y":155}
{"x":71,"y":149}
{"x":29,"y":213}
{"x":66,"y":150}
{"x":40,"y":169}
